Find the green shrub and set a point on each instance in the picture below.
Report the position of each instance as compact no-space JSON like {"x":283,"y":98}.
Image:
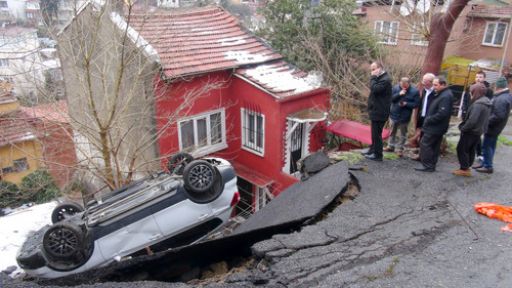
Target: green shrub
{"x":39,"y":187}
{"x":9,"y":193}
{"x":504,"y":140}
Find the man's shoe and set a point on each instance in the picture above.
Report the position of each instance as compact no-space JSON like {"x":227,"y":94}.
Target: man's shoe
{"x":366,"y":152}
{"x":389,"y":149}
{"x":478,"y":165}
{"x":485,"y":170}
{"x":460,"y":172}
{"x":373,"y":157}
{"x":424,"y":169}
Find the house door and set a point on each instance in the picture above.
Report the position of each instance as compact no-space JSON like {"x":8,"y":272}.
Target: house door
{"x":296,"y":143}
{"x":244,"y":207}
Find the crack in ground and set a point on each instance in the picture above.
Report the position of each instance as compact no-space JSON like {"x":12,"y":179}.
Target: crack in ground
{"x":400,"y":248}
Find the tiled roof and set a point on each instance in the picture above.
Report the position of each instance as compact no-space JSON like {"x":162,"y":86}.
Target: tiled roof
{"x":199,"y":40}
{"x":53,"y":112}
{"x":280,"y":79}
{"x":15,"y":128}
{"x":6,"y":97}
{"x":491,"y":11}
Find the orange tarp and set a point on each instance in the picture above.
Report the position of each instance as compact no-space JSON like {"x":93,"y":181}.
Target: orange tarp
{"x":496,"y":211}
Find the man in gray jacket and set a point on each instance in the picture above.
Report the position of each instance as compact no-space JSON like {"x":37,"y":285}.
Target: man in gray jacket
{"x":472,"y":128}
{"x":501,"y":105}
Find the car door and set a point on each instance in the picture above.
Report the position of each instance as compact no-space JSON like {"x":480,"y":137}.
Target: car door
{"x":182,"y":216}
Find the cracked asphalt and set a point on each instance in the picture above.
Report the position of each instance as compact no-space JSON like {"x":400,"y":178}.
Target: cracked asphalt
{"x":404,"y":229}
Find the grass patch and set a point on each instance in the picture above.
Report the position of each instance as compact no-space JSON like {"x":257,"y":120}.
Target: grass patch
{"x":390,"y":271}
{"x":504,"y":140}
{"x":350,"y":157}
{"x":390,"y":156}
{"x":451,"y":147}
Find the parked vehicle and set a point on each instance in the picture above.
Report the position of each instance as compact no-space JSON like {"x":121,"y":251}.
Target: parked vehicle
{"x":193,"y":199}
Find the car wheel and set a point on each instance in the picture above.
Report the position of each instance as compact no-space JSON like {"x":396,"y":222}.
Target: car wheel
{"x":63,"y":241}
{"x":178,"y":162}
{"x":210,"y":194}
{"x":65,"y":210}
{"x":199,"y":176}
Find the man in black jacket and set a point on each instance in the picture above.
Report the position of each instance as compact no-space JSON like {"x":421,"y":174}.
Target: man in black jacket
{"x":501,"y":105}
{"x":435,"y":125}
{"x":379,"y":103}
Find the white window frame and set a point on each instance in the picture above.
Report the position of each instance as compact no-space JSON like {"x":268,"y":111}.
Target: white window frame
{"x":209,"y":148}
{"x":4,"y":62}
{"x":381,"y":33}
{"x":260,"y":151}
{"x":487,"y":24}
{"x":416,"y":38}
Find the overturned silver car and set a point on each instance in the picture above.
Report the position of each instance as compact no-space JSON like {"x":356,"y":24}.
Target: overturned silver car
{"x":169,"y":209}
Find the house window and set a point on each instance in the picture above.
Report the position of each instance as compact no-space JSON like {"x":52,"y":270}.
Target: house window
{"x":494,"y":34}
{"x":253,"y":129}
{"x":417,"y":37}
{"x":20,"y":164}
{"x":387,"y":32}
{"x":30,"y":15}
{"x":4,"y":62}
{"x":204,"y":133}
{"x":6,"y":170}
{"x":3,"y":4}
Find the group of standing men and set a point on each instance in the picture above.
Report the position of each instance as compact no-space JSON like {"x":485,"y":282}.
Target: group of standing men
{"x":435,"y":102}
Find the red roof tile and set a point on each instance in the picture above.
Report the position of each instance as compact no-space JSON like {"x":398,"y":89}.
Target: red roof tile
{"x":15,"y":128}
{"x":7,"y":97}
{"x":491,"y":11}
{"x":53,"y":112}
{"x":199,"y":40}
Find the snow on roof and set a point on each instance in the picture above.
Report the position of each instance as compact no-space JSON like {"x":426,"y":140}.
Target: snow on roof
{"x":199,"y":40}
{"x":281,"y":79}
{"x":134,"y":36}
{"x":14,"y":128}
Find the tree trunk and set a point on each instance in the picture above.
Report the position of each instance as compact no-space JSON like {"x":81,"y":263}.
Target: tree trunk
{"x":440,"y":29}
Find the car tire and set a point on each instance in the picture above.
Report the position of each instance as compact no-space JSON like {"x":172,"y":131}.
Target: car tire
{"x":178,"y":162}
{"x":210,"y":194}
{"x":199,"y":176}
{"x":65,"y":210}
{"x":63,"y":241}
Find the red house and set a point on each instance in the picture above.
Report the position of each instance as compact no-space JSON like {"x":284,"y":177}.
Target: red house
{"x":217,"y":89}
{"x":56,"y":137}
{"x":260,"y":112}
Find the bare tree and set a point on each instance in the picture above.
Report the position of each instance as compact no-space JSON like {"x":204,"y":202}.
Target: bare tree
{"x":111,"y":77}
{"x":427,"y":23}
{"x":440,"y":28}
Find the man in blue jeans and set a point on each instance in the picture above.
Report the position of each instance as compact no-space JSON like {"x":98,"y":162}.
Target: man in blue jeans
{"x":501,"y":105}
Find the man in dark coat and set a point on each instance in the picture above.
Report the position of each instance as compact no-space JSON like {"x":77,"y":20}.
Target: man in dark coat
{"x":435,"y":125}
{"x":379,"y":102}
{"x":403,"y":100}
{"x":501,"y":105}
{"x":472,"y":128}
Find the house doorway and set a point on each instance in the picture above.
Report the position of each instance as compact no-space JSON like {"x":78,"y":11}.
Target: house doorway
{"x":252,"y":198}
{"x":296,"y":145}
{"x":244,"y":207}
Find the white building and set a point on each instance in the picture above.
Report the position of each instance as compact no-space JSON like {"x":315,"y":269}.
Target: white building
{"x":20,"y":62}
